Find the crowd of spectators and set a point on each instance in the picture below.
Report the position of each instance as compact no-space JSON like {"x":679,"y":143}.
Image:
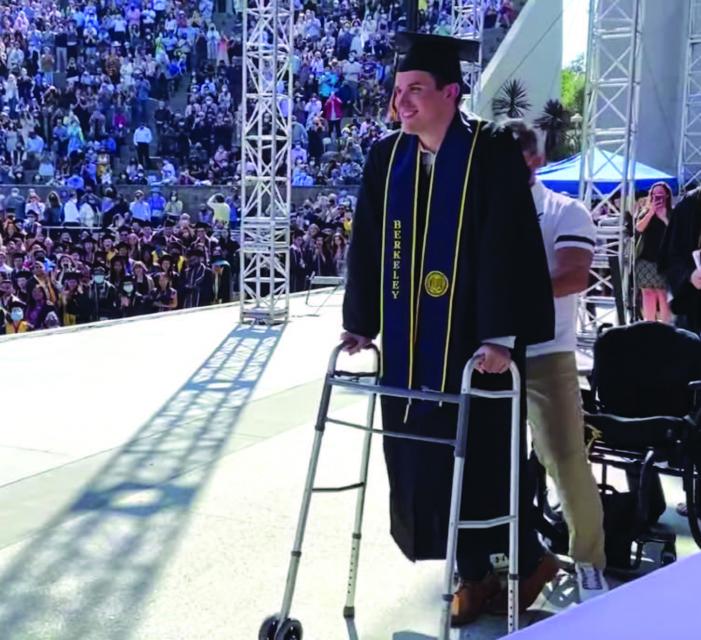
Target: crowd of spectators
{"x":133,"y":260}
{"x":499,"y":14}
{"x":141,"y":256}
{"x":87,"y":91}
{"x":320,"y":233}
{"x":81,"y":81}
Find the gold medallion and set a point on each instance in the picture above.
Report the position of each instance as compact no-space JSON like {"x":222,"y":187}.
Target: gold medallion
{"x":436,"y":284}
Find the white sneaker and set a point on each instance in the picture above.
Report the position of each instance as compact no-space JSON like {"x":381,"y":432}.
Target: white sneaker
{"x":590,"y":580}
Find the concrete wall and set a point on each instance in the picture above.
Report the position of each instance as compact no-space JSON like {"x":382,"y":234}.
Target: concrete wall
{"x":530,"y":52}
{"x":192,"y":197}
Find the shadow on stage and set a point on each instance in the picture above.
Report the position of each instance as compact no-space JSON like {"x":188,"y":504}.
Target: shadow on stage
{"x":99,"y":559}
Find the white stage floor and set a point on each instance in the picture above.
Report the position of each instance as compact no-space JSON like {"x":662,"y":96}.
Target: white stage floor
{"x":150,"y":478}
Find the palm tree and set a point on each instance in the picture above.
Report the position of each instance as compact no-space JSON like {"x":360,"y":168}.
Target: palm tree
{"x":511,"y":101}
{"x":555,"y":122}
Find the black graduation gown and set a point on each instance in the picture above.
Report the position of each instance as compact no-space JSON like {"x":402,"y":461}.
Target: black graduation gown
{"x":103,"y":302}
{"x":298,"y":270}
{"x":502,"y":289}
{"x":197,"y":285}
{"x":221,"y":288}
{"x":675,"y":259}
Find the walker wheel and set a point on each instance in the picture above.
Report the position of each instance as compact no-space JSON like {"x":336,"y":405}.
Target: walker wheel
{"x":291,"y":629}
{"x":268,"y":628}
{"x":271,"y":629}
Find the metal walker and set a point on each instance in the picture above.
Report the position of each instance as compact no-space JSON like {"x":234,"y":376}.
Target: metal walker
{"x":281,"y":626}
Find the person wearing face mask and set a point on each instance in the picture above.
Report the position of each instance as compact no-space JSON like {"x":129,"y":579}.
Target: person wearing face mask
{"x":131,"y":302}
{"x":16,"y":322}
{"x":174,"y":206}
{"x":102,"y":295}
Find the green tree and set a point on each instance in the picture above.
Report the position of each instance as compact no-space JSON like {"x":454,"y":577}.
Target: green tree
{"x":555,"y":123}
{"x":511,"y":101}
{"x":572,"y":93}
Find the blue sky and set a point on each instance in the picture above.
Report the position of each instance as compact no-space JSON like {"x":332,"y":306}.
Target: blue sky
{"x":575,"y":21}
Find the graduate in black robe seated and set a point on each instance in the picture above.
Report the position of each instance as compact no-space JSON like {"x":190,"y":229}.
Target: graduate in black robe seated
{"x":446,"y":261}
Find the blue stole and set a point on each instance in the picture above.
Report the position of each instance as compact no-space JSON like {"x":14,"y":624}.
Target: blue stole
{"x":416,"y":312}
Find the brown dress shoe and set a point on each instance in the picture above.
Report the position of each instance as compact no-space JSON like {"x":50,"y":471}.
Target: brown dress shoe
{"x":528,"y":588}
{"x":471,"y":599}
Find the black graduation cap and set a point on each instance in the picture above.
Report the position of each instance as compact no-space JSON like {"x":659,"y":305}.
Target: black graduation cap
{"x":109,"y":236}
{"x":16,"y":302}
{"x":201,"y":225}
{"x":99,"y":269}
{"x":122,"y":245}
{"x":23,"y":273}
{"x":437,"y":55}
{"x":196,"y":251}
{"x":72,"y":275}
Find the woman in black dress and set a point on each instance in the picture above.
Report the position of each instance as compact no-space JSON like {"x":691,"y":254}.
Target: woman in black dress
{"x":652,"y":225}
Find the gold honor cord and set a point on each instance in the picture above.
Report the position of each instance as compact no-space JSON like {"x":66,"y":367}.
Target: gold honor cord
{"x":412,"y":321}
{"x":382,"y":258}
{"x":457,"y":252}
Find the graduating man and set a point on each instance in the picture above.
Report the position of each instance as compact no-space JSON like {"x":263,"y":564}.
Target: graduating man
{"x":447,"y":262}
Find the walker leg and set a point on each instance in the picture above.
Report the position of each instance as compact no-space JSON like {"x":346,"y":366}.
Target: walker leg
{"x":513,"y":598}
{"x":454,"y":522}
{"x":296,"y":554}
{"x":349,"y":609}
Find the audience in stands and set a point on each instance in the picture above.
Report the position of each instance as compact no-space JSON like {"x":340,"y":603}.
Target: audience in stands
{"x":97,"y":95}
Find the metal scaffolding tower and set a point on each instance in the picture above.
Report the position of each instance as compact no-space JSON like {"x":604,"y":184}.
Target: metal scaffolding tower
{"x":468,"y":23}
{"x":690,"y":140}
{"x":265,"y":160}
{"x":610,"y":127}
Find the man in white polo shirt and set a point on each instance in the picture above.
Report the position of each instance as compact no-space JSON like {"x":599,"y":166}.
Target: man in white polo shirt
{"x":554,"y":399}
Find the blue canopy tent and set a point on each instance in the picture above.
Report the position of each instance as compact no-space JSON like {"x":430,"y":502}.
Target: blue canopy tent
{"x":563,"y":176}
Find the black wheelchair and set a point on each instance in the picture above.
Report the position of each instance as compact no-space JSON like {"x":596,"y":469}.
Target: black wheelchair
{"x":643,"y":415}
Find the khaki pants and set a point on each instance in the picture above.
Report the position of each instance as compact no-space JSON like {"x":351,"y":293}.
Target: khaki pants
{"x":557,"y":427}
